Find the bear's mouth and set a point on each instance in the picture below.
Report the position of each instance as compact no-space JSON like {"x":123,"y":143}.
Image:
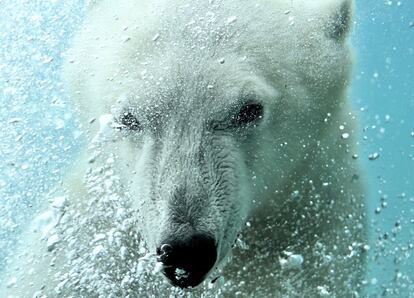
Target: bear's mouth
{"x":183,"y":278}
{"x":187,"y":262}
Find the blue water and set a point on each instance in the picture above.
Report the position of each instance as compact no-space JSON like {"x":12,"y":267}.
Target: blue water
{"x":383,"y":91}
{"x":39,"y":134}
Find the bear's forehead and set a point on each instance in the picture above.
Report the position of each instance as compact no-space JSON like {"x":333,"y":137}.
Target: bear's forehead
{"x":193,"y":83}
{"x":200,"y":63}
{"x":180,"y":81}
{"x":193,"y":98}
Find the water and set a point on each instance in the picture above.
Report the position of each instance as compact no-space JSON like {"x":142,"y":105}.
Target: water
{"x":38,"y":132}
{"x":40,"y":137}
{"x":383,"y":91}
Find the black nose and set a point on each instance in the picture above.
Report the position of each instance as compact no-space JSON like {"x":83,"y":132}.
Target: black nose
{"x":187,"y":261}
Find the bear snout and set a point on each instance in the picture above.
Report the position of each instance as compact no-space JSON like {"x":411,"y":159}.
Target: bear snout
{"x":187,"y":261}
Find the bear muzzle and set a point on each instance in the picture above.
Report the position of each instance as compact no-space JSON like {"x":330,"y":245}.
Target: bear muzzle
{"x":187,"y":261}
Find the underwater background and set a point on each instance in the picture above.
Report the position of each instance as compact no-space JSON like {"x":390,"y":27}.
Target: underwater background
{"x":39,"y":134}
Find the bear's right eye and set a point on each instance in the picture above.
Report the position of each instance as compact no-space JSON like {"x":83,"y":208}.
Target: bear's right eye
{"x":130,"y":122}
{"x":249,"y":113}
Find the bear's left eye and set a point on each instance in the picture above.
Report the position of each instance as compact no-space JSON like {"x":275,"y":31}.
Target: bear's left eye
{"x":248,"y":113}
{"x":130,"y":121}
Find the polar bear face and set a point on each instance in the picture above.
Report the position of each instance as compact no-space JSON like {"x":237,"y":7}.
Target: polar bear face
{"x":215,"y":106}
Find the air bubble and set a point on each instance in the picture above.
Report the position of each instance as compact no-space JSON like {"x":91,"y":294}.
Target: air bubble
{"x":373,"y":156}
{"x":156,"y":37}
{"x":52,"y":241}
{"x":345,"y":135}
{"x":231,"y":19}
{"x":291,"y":261}
{"x":12,"y":282}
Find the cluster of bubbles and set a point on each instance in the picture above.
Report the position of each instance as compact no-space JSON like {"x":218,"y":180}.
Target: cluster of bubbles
{"x":96,"y":238}
{"x":39,"y":133}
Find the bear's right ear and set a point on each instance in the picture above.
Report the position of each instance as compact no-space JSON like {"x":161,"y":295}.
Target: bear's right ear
{"x":340,"y":20}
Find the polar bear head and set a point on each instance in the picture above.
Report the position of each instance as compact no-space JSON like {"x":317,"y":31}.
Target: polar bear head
{"x":216,"y":104}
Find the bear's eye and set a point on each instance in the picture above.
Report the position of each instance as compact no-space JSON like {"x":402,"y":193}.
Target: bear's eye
{"x":130,"y":121}
{"x":250,"y":112}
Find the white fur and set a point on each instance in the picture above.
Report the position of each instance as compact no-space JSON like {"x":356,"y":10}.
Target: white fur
{"x":184,"y":67}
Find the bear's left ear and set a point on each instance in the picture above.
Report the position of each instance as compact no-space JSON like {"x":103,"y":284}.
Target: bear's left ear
{"x":340,"y":19}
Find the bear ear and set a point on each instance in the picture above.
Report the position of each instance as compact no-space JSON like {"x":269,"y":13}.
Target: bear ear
{"x":340,"y":20}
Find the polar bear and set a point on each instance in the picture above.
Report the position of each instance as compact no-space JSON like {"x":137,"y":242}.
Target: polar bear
{"x":222,"y":156}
